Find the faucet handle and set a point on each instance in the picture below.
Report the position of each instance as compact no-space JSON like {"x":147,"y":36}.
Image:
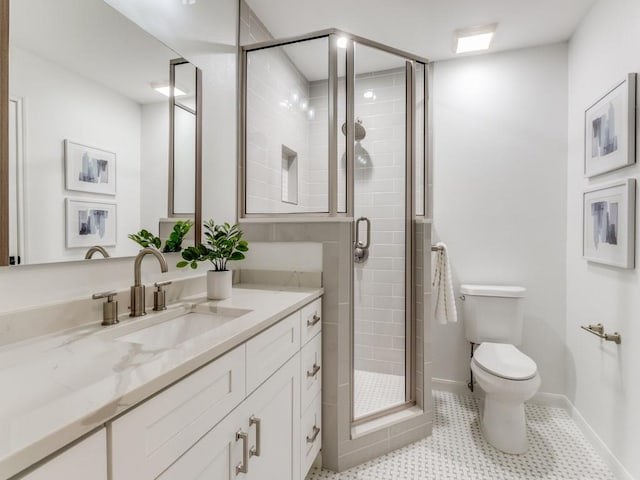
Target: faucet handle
{"x":109,"y":308}
{"x":160,"y":296}
{"x":108,"y":295}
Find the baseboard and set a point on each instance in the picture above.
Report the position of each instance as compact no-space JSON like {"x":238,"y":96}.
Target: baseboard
{"x":598,"y":444}
{"x":451,"y":386}
{"x":558,"y":401}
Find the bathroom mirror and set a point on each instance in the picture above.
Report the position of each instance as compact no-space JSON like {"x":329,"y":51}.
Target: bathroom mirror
{"x":89,"y":132}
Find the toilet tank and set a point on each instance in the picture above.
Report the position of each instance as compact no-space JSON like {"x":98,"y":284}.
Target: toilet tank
{"x":493,"y":313}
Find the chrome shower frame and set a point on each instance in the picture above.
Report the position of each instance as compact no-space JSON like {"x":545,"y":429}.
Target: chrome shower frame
{"x":332,"y":207}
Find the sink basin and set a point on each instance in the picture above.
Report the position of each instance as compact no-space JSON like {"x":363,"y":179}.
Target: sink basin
{"x":178,"y":330}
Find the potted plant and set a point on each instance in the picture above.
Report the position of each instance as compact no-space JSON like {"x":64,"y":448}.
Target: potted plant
{"x":144,"y":238}
{"x":223,"y":243}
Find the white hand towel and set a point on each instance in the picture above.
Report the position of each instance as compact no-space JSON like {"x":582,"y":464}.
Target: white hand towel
{"x":445,"y":301}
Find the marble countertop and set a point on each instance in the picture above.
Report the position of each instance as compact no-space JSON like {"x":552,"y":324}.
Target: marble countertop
{"x":58,"y":387}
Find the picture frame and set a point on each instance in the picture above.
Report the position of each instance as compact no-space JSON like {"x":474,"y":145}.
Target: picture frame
{"x":608,"y":232}
{"x":610,"y":129}
{"x":90,"y":223}
{"x":89,"y":169}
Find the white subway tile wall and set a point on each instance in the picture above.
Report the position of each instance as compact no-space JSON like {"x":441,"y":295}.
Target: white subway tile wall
{"x":284,"y":107}
{"x":379,"y":286}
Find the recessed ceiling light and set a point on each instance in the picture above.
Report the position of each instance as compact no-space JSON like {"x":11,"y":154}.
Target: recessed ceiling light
{"x":188,"y":2}
{"x":474,"y":39}
{"x":164,"y":89}
{"x":342,"y":42}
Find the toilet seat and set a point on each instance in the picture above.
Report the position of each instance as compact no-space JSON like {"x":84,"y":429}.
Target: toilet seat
{"x":505,"y":361}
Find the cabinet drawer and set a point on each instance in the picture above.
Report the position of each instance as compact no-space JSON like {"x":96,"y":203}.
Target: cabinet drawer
{"x":87,"y":459}
{"x":148,"y":439}
{"x":311,"y":435}
{"x":270,"y":350}
{"x":311,"y":370}
{"x":311,"y":321}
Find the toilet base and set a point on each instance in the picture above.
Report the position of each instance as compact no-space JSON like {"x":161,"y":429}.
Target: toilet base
{"x":504,"y":425}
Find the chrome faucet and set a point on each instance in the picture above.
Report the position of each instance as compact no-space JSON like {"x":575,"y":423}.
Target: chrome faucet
{"x":137,"y":290}
{"x":94,"y":249}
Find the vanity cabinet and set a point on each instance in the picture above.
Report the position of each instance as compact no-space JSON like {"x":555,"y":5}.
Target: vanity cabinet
{"x":253,"y":413}
{"x":258,"y":440}
{"x":85,"y":459}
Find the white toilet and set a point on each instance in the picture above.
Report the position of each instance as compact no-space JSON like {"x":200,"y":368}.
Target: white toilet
{"x":493,"y":319}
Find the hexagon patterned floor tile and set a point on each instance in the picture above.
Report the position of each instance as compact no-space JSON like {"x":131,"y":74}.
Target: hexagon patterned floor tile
{"x":457,"y":451}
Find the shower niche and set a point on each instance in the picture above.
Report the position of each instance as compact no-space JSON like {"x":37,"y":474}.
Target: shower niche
{"x":289,"y":174}
{"x":333,"y":127}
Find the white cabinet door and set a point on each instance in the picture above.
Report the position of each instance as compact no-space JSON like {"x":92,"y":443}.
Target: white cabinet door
{"x":275,"y":433}
{"x":269,"y":350}
{"x":216,"y":455}
{"x":87,"y":459}
{"x":149,"y":438}
{"x":271,"y":419}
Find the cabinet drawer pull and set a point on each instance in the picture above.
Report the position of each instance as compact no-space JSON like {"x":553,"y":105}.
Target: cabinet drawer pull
{"x":314,"y":320}
{"x":314,"y":435}
{"x":314,"y":371}
{"x":243,"y":467}
{"x":253,"y":420}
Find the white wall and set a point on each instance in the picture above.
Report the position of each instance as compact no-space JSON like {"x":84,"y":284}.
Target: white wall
{"x":61,"y":105}
{"x":154,"y":163}
{"x":602,"y":378}
{"x":499,"y":155}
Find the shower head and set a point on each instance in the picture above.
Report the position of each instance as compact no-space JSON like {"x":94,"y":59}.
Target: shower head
{"x":360,"y":131}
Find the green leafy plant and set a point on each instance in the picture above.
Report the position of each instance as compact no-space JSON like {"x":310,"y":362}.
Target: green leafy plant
{"x":223,"y":243}
{"x":145,"y":238}
{"x":180,"y":230}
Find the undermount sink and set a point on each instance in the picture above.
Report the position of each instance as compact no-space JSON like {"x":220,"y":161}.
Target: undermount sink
{"x":173,"y":332}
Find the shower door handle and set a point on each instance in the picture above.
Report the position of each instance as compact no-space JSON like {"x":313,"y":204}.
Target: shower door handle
{"x":361,"y":250}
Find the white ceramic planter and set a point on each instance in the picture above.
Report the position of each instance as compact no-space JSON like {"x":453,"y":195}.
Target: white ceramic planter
{"x":219,"y":284}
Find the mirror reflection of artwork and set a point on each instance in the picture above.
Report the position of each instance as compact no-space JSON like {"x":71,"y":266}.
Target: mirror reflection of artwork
{"x":603,"y":133}
{"x":89,"y":169}
{"x":90,"y":223}
{"x":94,"y":170}
{"x":610,"y":132}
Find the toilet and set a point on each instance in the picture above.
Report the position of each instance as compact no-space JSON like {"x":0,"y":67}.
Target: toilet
{"x":493,"y":320}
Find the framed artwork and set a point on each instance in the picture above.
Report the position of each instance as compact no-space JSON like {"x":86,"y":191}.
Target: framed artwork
{"x":90,"y":223}
{"x":610,"y":130}
{"x":89,"y":169}
{"x":608,"y":231}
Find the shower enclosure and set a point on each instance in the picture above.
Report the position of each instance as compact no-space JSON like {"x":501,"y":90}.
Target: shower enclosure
{"x":333,"y":126}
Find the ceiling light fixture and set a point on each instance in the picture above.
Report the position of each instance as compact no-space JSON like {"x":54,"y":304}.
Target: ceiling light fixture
{"x":164,"y":89}
{"x":474,"y":39}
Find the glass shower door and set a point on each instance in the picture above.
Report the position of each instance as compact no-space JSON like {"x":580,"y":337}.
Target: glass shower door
{"x":380,"y":250}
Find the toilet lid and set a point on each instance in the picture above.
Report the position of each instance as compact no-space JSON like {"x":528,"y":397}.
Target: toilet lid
{"x":505,"y":361}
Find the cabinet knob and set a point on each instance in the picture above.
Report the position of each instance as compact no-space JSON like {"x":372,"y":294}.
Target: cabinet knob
{"x":314,"y":371}
{"x":314,"y":320}
{"x":314,"y":435}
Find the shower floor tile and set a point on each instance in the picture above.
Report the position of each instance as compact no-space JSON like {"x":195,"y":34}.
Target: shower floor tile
{"x":376,"y":391}
{"x":557,"y":450}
